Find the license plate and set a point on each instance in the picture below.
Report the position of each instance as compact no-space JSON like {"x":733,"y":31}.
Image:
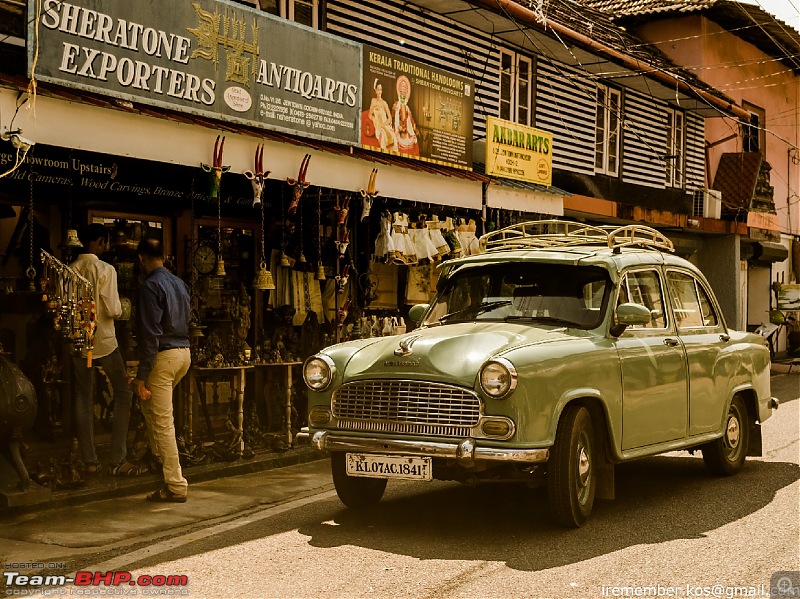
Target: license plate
{"x":389,"y":466}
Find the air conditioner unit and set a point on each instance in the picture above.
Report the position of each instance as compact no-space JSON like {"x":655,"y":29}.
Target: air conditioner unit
{"x":707,"y":203}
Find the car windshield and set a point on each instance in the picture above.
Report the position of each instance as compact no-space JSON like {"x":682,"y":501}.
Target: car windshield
{"x":563,"y":295}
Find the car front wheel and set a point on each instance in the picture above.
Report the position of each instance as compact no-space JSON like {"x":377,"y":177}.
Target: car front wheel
{"x":354,"y":491}
{"x":725,"y":456}
{"x":571,"y":475}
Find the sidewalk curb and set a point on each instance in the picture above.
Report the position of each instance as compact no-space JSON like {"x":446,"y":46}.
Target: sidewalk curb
{"x":108,"y":487}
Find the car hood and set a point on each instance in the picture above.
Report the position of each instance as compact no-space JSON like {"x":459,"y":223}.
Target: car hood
{"x":449,"y":352}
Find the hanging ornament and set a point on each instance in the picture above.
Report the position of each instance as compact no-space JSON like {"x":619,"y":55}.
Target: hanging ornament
{"x":320,"y":276}
{"x":263,"y":279}
{"x":284,"y":259}
{"x":31,"y":271}
{"x":72,"y":240}
{"x":220,"y":262}
{"x":216,"y":169}
{"x":301,"y":262}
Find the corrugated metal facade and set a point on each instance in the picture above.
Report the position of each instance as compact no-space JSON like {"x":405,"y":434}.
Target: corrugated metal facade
{"x":644,"y":138}
{"x":428,"y":38}
{"x":564,"y":97}
{"x":565,"y":106}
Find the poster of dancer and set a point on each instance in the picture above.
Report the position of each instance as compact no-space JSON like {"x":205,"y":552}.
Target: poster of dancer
{"x":415,"y":110}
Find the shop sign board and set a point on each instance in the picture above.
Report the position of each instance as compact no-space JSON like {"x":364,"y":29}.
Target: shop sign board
{"x":207,"y":57}
{"x":60,"y":175}
{"x":515,"y":151}
{"x":415,"y":110}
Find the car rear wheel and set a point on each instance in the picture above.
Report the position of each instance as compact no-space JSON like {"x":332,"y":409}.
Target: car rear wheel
{"x":354,"y":491}
{"x":571,"y":472}
{"x":725,"y":456}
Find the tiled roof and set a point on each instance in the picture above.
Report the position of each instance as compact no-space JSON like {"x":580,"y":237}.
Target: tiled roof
{"x":771,"y":35}
{"x":623,"y":8}
{"x":736,"y":178}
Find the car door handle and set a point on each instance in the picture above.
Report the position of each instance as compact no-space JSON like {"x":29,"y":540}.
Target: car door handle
{"x":724,"y":337}
{"x":671,"y":342}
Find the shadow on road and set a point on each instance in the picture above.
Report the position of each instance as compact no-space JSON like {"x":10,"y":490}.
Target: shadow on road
{"x":658,"y":499}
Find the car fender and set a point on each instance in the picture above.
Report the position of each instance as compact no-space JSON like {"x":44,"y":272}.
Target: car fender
{"x":596,"y":402}
{"x":549,"y":377}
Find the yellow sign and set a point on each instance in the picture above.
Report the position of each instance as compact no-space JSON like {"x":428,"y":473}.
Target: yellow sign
{"x":518,"y":152}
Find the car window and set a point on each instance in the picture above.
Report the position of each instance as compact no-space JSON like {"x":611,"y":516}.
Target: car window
{"x":707,"y":308}
{"x":644,"y":287}
{"x":559,"y":294}
{"x":690,"y":302}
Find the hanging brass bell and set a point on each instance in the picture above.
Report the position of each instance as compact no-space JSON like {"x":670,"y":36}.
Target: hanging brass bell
{"x":320,"y":276}
{"x":72,"y":240}
{"x":284,"y":260}
{"x":302,"y":258}
{"x":263,"y":279}
{"x":220,"y":268}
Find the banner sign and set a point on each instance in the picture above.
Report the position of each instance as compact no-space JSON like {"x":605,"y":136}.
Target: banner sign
{"x":58,"y":174}
{"x":518,"y":152}
{"x":208,"y":57}
{"x":415,"y":110}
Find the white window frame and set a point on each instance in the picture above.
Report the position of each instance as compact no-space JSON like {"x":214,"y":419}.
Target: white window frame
{"x":520,"y":107}
{"x":607,"y":141}
{"x":676,"y":148}
{"x":312,"y":4}
{"x":286,"y":10}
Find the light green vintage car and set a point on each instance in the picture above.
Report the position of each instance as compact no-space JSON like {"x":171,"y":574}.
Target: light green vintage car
{"x":558,"y":351}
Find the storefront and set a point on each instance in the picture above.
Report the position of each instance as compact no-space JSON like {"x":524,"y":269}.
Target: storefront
{"x":344,"y":240}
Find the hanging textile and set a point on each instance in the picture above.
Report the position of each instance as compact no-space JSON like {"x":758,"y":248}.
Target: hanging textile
{"x":307,"y":296}
{"x":421,"y":283}
{"x":386,"y":291}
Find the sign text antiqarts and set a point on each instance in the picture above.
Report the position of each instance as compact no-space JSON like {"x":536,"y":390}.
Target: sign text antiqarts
{"x":209,"y":57}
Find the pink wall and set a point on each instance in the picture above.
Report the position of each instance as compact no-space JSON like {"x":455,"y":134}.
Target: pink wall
{"x":744,"y":73}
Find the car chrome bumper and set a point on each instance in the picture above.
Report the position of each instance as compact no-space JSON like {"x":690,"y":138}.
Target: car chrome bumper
{"x":464,"y":452}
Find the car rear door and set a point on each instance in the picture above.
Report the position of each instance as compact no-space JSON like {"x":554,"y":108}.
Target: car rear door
{"x":704,"y":337}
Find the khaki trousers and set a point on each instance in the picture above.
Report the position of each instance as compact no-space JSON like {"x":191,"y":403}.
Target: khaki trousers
{"x":169,"y":368}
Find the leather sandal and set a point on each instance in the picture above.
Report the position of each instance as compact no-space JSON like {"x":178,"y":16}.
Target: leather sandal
{"x":165,"y":495}
{"x":126,"y":468}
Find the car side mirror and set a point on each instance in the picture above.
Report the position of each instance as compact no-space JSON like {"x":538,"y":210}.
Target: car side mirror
{"x":417,"y":312}
{"x":629,"y":315}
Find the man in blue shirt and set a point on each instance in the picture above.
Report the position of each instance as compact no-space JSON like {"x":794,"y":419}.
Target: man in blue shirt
{"x":162,"y":318}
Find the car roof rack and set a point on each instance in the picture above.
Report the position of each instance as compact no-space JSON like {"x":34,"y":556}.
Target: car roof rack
{"x":563,"y":233}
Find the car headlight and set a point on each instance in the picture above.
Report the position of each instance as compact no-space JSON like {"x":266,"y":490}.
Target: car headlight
{"x":498,"y":378}
{"x":318,"y":372}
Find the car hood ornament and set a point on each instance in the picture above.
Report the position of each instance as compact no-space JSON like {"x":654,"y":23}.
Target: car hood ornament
{"x":405,"y":346}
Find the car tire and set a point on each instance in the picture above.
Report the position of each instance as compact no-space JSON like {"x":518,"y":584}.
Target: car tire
{"x":355,"y":491}
{"x":571,"y":471}
{"x":725,"y":456}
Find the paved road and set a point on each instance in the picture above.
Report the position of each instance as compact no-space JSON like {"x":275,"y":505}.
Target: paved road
{"x":673,"y":529}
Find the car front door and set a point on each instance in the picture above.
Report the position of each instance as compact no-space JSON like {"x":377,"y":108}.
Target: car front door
{"x":655,"y":396}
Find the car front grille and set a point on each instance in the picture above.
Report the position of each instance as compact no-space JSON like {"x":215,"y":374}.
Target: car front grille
{"x":408,"y":407}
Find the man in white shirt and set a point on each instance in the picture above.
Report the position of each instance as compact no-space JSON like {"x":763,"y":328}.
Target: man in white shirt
{"x":106,"y":354}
